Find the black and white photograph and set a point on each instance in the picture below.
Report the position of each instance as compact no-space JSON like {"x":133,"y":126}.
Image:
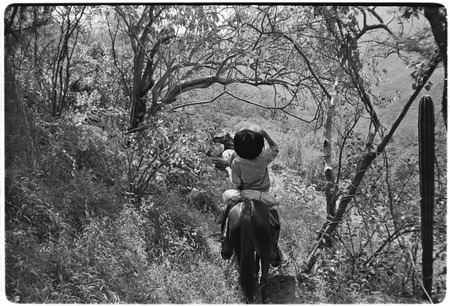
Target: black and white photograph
{"x":224,"y":153}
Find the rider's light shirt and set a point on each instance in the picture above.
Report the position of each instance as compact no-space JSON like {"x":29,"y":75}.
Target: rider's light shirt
{"x":253,"y":173}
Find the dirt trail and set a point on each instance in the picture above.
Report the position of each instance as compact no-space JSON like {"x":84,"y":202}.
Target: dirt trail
{"x":282,"y":284}
{"x":282,"y":288}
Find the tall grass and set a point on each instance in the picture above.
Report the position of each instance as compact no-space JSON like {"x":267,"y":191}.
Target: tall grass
{"x":75,"y":234}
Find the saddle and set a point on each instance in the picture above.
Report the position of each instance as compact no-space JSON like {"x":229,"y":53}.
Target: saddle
{"x":274,"y":218}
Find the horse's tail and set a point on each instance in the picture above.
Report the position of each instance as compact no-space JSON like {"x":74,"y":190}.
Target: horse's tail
{"x":247,"y":260}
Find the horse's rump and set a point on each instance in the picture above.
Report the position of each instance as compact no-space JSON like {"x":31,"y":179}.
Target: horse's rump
{"x":249,"y":230}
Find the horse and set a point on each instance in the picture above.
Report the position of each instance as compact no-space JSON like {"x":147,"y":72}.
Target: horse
{"x":251,"y":239}
{"x":221,"y":160}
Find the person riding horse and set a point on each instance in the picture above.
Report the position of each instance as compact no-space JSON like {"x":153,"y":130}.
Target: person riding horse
{"x":250,"y":176}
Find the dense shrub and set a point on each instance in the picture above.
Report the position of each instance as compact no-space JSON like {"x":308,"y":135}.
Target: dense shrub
{"x":134,"y":219}
{"x":303,"y":156}
{"x":74,"y":235}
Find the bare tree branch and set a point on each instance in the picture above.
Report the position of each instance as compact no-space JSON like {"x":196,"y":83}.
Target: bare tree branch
{"x":281,"y":108}
{"x":363,"y":165}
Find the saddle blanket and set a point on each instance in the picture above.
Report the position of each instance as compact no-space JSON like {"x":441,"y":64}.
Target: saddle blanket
{"x":232,"y":196}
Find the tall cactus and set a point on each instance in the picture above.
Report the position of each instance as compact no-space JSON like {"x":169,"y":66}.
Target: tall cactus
{"x":426,"y":166}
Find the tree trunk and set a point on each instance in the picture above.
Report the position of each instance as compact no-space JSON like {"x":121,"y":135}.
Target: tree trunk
{"x":138,"y":110}
{"x":328,"y":169}
{"x":330,"y":226}
{"x":19,"y":143}
{"x":366,"y":161}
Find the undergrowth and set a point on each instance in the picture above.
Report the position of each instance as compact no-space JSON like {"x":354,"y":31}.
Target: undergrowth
{"x":94,"y":223}
{"x":75,"y":234}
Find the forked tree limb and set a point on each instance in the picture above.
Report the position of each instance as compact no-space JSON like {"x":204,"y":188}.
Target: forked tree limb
{"x":205,"y":82}
{"x":363,"y":165}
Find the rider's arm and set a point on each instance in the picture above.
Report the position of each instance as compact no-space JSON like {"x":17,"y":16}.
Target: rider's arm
{"x":273,"y":150}
{"x":269,"y":140}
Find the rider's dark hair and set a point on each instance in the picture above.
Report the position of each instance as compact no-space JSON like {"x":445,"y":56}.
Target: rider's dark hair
{"x":248,"y":144}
